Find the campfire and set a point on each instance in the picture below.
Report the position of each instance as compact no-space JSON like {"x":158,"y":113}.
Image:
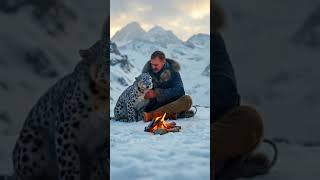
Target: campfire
{"x":159,"y":126}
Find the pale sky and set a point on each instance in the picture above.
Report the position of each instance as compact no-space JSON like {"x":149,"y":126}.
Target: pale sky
{"x":183,"y":17}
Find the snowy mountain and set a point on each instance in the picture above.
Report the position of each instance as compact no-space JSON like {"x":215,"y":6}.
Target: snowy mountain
{"x":52,"y":16}
{"x":134,"y":32}
{"x":128,"y":33}
{"x":199,"y":40}
{"x":161,"y":36}
{"x":309,"y":32}
{"x":122,"y":73}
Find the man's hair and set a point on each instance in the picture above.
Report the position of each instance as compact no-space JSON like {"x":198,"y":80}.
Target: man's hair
{"x":158,"y":54}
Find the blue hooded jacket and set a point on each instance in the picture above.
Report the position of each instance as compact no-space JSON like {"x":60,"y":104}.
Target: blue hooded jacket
{"x":167,"y":84}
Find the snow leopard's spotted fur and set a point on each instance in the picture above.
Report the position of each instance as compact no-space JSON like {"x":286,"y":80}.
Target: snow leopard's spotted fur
{"x":131,"y":103}
{"x":64,"y":135}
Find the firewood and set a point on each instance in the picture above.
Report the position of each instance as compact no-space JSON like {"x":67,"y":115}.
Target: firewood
{"x":161,"y":131}
{"x":171,"y":124}
{"x":149,"y":127}
{"x":173,"y":129}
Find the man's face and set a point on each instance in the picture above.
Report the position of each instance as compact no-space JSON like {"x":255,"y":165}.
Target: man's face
{"x":157,"y":64}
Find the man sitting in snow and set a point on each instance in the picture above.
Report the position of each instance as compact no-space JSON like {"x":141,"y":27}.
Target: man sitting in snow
{"x":237,"y":129}
{"x":168,"y":95}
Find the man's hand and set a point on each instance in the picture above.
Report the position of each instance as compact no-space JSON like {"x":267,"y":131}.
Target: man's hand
{"x":150,"y":94}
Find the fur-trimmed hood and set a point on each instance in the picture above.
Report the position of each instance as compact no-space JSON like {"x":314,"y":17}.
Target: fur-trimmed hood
{"x":219,"y":19}
{"x":172,"y":63}
{"x":170,"y":67}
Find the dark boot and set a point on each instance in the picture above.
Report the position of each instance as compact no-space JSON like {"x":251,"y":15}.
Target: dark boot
{"x":186,"y":114}
{"x":246,"y":167}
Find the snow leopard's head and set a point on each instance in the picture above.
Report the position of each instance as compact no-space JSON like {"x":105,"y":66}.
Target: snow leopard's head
{"x":98,"y":59}
{"x":144,"y":81}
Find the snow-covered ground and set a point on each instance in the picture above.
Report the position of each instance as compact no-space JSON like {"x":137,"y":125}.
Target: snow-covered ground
{"x":140,"y":155}
{"x":295,"y":163}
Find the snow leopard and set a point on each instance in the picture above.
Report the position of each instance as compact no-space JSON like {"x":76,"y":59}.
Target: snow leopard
{"x":64,"y":135}
{"x":131,"y":103}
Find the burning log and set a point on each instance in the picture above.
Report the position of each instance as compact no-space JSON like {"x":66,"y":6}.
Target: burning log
{"x":160,"y":131}
{"x":159,"y":126}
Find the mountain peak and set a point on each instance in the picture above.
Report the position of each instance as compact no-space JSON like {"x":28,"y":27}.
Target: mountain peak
{"x":157,"y":29}
{"x":200,"y":40}
{"x":133,"y":24}
{"x":161,"y":36}
{"x":128,"y":33}
{"x":200,"y":35}
{"x":156,"y":34}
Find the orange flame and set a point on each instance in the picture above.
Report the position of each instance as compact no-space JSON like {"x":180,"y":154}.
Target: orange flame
{"x":160,"y":123}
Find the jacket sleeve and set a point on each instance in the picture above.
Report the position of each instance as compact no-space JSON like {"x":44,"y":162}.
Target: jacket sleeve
{"x":172,"y":93}
{"x":224,"y":93}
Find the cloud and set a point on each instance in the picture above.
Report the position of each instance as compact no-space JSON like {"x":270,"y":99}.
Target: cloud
{"x":183,"y":17}
{"x":196,"y":9}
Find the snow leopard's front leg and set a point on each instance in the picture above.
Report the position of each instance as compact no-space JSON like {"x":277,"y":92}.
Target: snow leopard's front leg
{"x":140,"y":114}
{"x":131,"y":111}
{"x":67,"y":149}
